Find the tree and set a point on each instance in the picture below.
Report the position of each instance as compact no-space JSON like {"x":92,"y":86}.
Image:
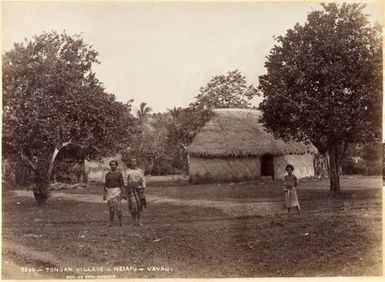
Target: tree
{"x":324,"y":83}
{"x":225,"y":91}
{"x":184,"y":124}
{"x":156,"y":143}
{"x":144,"y":112}
{"x":143,"y":138}
{"x":51,"y":99}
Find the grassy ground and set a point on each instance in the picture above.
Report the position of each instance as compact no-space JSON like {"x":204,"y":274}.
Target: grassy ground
{"x":197,"y":231}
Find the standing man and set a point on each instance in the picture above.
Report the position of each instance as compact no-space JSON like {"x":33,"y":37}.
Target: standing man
{"x":112,"y":192}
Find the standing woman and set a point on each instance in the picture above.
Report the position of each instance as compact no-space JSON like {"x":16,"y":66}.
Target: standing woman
{"x":135,"y":191}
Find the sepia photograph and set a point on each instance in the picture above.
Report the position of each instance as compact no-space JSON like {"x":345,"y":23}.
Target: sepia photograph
{"x":197,"y":139}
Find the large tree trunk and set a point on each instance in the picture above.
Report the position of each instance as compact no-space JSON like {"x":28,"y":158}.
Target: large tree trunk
{"x":334,"y":168}
{"x":40,"y":183}
{"x":40,"y":187}
{"x":42,"y":174}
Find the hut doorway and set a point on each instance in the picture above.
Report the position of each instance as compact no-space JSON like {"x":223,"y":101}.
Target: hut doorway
{"x":267,"y":165}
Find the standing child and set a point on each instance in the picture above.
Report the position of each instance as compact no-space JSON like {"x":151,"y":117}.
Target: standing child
{"x":112,"y":192}
{"x":135,"y":191}
{"x":290,"y":184}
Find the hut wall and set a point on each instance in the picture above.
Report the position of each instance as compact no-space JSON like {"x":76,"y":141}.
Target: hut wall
{"x":303,"y":165}
{"x":204,"y":170}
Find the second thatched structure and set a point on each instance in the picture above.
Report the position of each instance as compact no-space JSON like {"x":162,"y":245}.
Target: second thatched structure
{"x":233,"y":146}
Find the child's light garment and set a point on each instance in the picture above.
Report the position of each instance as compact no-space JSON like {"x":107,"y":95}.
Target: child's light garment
{"x":291,"y":197}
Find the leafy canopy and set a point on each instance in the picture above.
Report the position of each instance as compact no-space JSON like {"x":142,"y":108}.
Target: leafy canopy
{"x":51,"y":96}
{"x":225,"y":91}
{"x":323,"y":80}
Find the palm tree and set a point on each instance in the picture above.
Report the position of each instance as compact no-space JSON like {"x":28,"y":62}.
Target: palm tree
{"x":175,"y":113}
{"x":143,"y":112}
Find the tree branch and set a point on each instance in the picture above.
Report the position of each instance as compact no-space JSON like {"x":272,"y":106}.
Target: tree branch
{"x":66,"y":144}
{"x":54,"y":155}
{"x":27,"y":160}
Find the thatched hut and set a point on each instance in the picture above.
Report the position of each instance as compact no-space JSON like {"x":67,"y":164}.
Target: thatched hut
{"x":234,"y":146}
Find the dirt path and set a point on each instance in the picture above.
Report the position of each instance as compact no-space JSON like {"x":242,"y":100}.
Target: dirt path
{"x":262,"y":207}
{"x":18,"y":258}
{"x":233,"y":209}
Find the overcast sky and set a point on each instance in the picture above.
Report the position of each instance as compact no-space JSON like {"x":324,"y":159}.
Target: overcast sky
{"x":162,"y":53}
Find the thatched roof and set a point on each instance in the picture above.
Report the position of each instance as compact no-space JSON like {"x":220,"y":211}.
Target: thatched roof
{"x":237,"y":132}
